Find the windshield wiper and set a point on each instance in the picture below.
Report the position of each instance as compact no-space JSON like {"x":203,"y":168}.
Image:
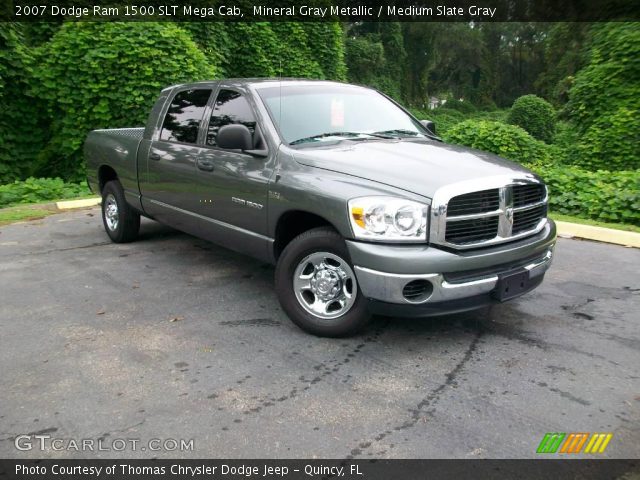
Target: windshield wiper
{"x":338,"y":134}
{"x":397,"y":132}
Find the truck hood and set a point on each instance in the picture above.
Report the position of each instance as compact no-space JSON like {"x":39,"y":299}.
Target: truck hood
{"x":416,"y":166}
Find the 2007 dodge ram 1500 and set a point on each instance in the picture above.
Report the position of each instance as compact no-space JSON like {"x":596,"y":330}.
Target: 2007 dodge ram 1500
{"x":360,"y":206}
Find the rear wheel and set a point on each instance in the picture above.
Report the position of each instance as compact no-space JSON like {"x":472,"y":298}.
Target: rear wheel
{"x":317,"y":287}
{"x":121,"y":222}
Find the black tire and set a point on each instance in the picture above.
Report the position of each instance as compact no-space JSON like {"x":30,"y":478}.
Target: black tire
{"x":317,"y":241}
{"x":126,"y":228}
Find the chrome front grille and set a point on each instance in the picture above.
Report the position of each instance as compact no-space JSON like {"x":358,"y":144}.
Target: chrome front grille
{"x":473,"y":230}
{"x":474,"y":202}
{"x":526,"y":220}
{"x":528,"y":194}
{"x":486,"y":216}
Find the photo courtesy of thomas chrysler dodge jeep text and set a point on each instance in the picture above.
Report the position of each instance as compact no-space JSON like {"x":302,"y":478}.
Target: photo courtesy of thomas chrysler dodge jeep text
{"x":360,"y":205}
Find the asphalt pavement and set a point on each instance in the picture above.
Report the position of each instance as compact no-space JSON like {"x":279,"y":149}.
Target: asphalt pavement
{"x":171,"y":338}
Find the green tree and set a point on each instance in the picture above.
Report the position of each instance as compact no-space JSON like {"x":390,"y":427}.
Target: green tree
{"x":376,"y":56}
{"x":365,"y":58}
{"x":420,"y":39}
{"x":458,"y":66}
{"x":564,"y":55}
{"x":326,"y":43}
{"x":604,"y":101}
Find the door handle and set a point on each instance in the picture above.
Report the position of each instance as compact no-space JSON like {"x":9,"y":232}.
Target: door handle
{"x":205,"y":165}
{"x":155,"y":156}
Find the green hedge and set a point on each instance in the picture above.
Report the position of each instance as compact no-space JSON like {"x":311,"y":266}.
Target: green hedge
{"x":611,"y":141}
{"x":602,"y":195}
{"x":105,"y":75}
{"x":23,"y":123}
{"x":535,"y":115}
{"x":505,"y":140}
{"x":35,"y":190}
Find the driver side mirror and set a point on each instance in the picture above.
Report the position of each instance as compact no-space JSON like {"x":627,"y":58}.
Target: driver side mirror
{"x":429,"y":125}
{"x":236,"y":136}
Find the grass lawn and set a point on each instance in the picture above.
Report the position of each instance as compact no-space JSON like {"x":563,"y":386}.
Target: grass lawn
{"x":28,"y":212}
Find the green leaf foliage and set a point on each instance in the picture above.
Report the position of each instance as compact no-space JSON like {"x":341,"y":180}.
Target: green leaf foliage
{"x":508,"y":141}
{"x":289,"y":49}
{"x":535,"y":115}
{"x":36,"y":190}
{"x":326,"y":43}
{"x":23,"y":127}
{"x":444,"y":118}
{"x":213,"y":40}
{"x":376,"y":56}
{"x":460,"y":106}
{"x":600,"y":195}
{"x":295,"y":58}
{"x":612,"y":196}
{"x":105,"y":75}
{"x":604,"y":101}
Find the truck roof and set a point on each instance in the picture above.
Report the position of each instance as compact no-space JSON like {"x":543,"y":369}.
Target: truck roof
{"x":262,"y":82}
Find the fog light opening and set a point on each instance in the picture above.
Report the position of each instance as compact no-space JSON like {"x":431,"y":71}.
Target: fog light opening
{"x":417,"y":291}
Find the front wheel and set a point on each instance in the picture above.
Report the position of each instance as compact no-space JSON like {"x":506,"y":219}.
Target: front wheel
{"x":121,"y":222}
{"x":317,"y":287}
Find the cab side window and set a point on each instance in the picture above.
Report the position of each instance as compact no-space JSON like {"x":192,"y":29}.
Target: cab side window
{"x":184,"y":116}
{"x":230,"y":107}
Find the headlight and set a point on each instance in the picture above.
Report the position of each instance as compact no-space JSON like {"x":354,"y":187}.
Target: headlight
{"x":388,"y":219}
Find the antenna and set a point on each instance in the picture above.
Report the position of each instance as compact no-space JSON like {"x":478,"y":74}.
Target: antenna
{"x":280,"y":109}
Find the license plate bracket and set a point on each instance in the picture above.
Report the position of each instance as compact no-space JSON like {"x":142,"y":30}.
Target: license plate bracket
{"x":511,"y":285}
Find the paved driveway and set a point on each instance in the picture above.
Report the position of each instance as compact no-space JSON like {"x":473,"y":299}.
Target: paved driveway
{"x":173,"y":338}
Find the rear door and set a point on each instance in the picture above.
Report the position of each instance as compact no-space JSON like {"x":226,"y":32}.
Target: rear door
{"x":171,"y":170}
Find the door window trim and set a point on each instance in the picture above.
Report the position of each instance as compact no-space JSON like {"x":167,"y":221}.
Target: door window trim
{"x":211,"y":107}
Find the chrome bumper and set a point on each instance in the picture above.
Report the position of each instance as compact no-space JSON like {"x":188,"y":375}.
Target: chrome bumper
{"x":388,"y":287}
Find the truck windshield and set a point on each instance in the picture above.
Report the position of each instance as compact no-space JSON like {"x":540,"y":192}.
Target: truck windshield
{"x":309,"y":114}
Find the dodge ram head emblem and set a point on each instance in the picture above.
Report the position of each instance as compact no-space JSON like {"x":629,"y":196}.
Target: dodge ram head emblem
{"x":505,"y":226}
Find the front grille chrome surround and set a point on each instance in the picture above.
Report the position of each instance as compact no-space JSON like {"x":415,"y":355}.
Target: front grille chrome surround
{"x":488,"y":211}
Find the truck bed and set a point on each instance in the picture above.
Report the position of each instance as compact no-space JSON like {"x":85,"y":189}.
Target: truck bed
{"x":118,"y":148}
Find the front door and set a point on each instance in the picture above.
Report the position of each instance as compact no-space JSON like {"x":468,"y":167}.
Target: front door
{"x":234,"y":212}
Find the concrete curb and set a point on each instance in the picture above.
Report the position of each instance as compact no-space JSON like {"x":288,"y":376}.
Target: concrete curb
{"x":600,"y":234}
{"x":84,"y":203}
{"x":565,"y":229}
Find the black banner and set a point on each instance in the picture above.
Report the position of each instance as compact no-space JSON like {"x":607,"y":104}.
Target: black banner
{"x":320,"y":10}
{"x":318,"y":469}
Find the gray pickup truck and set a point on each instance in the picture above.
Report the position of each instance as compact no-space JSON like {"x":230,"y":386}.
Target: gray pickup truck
{"x":360,"y":206}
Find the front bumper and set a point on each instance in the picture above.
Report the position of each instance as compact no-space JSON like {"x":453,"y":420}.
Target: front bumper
{"x":454,"y":281}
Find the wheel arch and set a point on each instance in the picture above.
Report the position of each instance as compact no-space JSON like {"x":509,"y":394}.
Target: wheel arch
{"x":106,"y":173}
{"x":294,"y":222}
